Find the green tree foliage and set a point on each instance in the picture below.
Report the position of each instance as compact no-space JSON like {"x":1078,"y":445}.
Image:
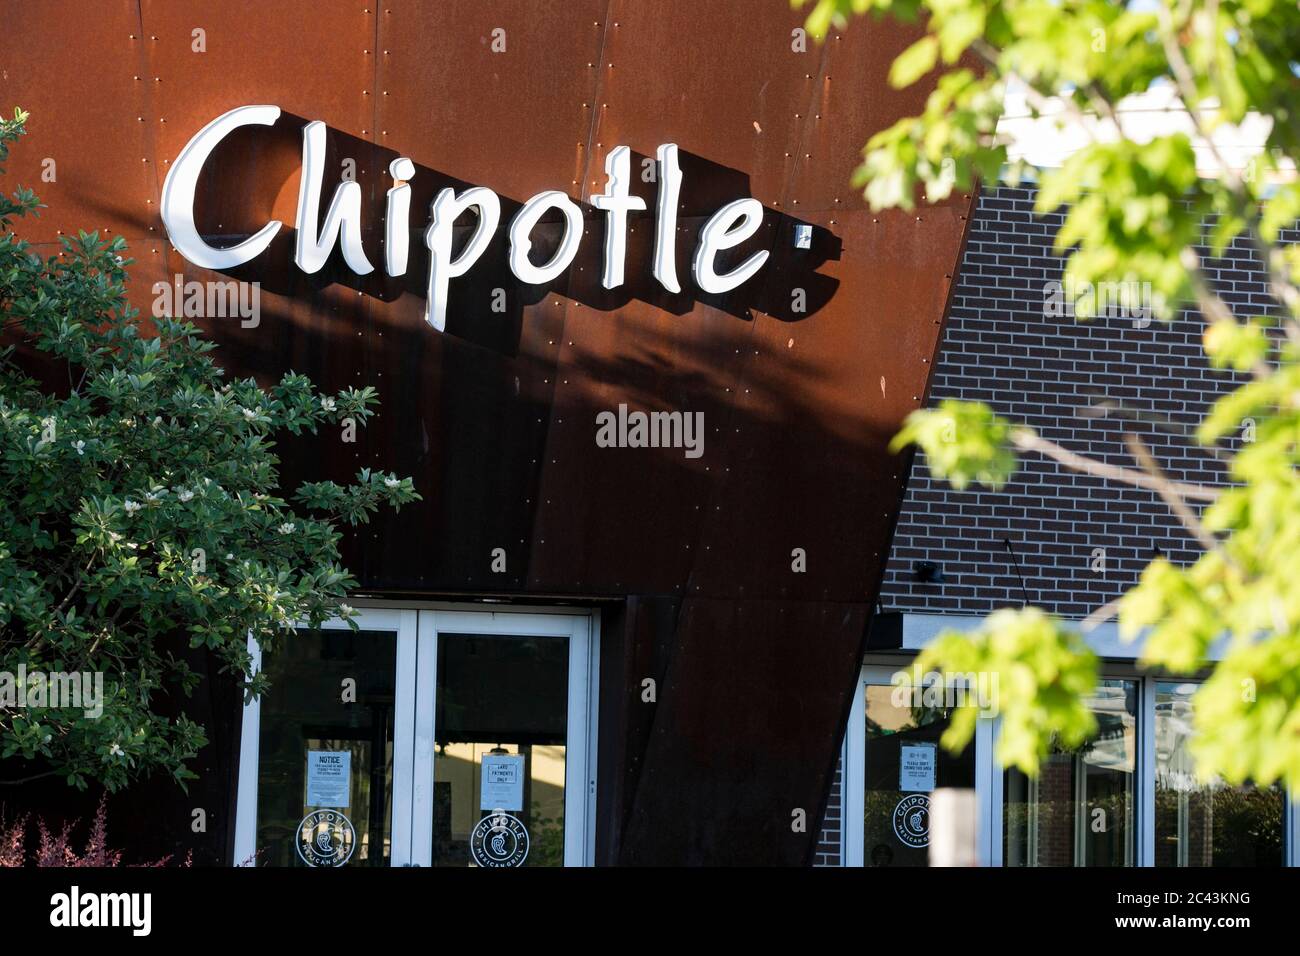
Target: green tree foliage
{"x":1136,"y":210}
{"x":140,"y":513}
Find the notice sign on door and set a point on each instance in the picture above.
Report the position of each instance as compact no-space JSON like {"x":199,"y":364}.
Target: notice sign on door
{"x":329,"y":778}
{"x":503,"y":782}
{"x":916,"y":767}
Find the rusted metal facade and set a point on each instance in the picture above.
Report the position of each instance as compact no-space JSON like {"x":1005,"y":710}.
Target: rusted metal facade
{"x":690,"y":559}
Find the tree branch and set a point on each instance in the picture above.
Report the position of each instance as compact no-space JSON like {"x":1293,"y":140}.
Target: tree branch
{"x":1026,"y":440}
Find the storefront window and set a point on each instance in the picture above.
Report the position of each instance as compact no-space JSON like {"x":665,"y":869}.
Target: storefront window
{"x":904,"y":764}
{"x":500,"y":697}
{"x":1079,"y":811}
{"x":325,"y":768}
{"x":1207,"y":823}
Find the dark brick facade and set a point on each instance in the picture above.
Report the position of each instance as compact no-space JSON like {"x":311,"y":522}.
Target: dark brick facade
{"x":829,"y":842}
{"x":1057,"y":374}
{"x":1080,"y":384}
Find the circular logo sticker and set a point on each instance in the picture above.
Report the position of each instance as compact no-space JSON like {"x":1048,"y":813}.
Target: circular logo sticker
{"x":912,"y":820}
{"x":326,"y":838}
{"x":499,"y":840}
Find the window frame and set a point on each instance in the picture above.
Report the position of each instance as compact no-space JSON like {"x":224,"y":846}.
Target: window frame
{"x":416,"y":624}
{"x":877,"y":669}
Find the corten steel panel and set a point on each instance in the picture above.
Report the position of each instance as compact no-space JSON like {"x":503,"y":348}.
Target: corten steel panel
{"x":495,"y":419}
{"x":83,"y":79}
{"x":718,"y":797}
{"x":516,"y":121}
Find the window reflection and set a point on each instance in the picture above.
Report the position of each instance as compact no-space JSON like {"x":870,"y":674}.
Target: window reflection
{"x":904,"y":763}
{"x":500,"y":695}
{"x":1207,"y":823}
{"x":1079,"y":810}
{"x":307,"y":710}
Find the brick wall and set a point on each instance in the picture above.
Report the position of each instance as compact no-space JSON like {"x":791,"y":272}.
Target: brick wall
{"x":1078,"y":541}
{"x":828,"y":843}
{"x":1057,"y":375}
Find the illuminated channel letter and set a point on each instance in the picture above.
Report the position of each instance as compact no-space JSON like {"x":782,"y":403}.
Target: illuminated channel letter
{"x":344,"y":215}
{"x":670,"y":187}
{"x":397,"y":220}
{"x":521,"y":244}
{"x":616,"y":202}
{"x":447,"y":208}
{"x":730,"y":226}
{"x":183,"y":178}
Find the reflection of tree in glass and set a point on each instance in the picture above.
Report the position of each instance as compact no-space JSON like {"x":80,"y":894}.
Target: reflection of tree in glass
{"x":1225,"y":826}
{"x":545,"y":839}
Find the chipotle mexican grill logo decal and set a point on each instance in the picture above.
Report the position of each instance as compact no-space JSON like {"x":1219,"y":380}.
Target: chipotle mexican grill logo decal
{"x":499,"y":840}
{"x":326,"y":838}
{"x":912,"y":821}
{"x":729,"y":226}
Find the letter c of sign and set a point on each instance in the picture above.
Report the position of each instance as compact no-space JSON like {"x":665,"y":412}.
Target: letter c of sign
{"x":183,"y":178}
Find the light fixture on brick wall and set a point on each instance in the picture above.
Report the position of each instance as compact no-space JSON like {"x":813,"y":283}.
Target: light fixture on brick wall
{"x":928,"y":572}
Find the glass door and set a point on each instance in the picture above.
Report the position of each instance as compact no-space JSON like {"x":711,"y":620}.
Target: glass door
{"x":502,"y":769}
{"x":893,"y":762}
{"x":422,"y":738}
{"x":325,"y":758}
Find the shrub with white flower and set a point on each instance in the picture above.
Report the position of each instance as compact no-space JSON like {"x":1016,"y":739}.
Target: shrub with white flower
{"x":92,"y":579}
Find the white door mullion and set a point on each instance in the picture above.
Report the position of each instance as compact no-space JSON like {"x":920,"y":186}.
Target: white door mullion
{"x":426,"y":679}
{"x":403,"y":727}
{"x":1146,"y":776}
